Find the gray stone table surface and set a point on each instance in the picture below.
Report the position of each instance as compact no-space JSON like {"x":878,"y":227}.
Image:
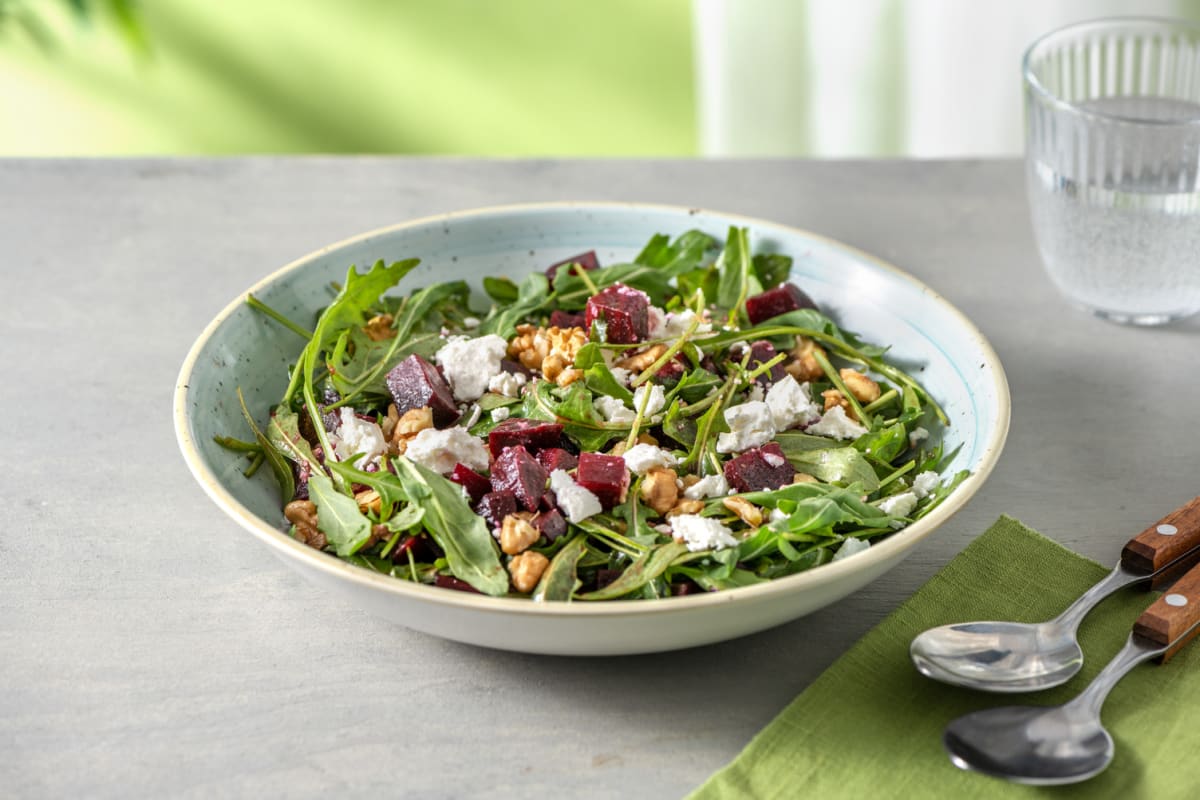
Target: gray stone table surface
{"x":148,"y":647}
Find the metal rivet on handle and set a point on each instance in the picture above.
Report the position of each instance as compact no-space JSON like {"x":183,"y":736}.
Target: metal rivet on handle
{"x":1176,"y":600}
{"x":1167,"y":530}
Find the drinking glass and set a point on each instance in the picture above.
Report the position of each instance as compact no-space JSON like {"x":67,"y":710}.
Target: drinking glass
{"x":1112,"y":157}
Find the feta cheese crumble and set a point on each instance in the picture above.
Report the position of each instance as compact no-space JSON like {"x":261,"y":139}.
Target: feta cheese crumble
{"x":790,"y":404}
{"x":658,"y":399}
{"x":576,"y":502}
{"x":678,"y":322}
{"x":622,"y":375}
{"x":749,"y":424}
{"x":898,"y":505}
{"x":917,"y":436}
{"x":701,"y":533}
{"x":643,"y":457}
{"x":924,"y":483}
{"x":507,"y":383}
{"x":470,"y":364}
{"x":850,"y":546}
{"x":835,"y":424}
{"x":657,"y":319}
{"x":706,"y":487}
{"x":613,"y":410}
{"x":441,"y":450}
{"x":354,"y":435}
{"x":500,"y":413}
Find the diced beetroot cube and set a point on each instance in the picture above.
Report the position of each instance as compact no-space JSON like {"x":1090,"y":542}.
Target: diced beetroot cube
{"x":761,"y":352}
{"x":604,"y":476}
{"x":532,"y":434}
{"x":450,"y":582}
{"x":415,"y":383}
{"x":586,"y":260}
{"x":514,"y":470}
{"x":759,"y":469}
{"x":549,"y":500}
{"x":553,"y":458}
{"x":475,"y":484}
{"x":671,"y":371}
{"x":423,"y":549}
{"x":550,"y":524}
{"x":783,"y":298}
{"x":495,"y":506}
{"x":565,"y":319}
{"x":625,"y":312}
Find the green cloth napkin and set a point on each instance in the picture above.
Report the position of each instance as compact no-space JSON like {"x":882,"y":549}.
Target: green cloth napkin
{"x":871,"y":726}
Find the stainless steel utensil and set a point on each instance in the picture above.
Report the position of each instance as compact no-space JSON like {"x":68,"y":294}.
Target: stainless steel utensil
{"x":1068,"y":743}
{"x":1021,"y":657}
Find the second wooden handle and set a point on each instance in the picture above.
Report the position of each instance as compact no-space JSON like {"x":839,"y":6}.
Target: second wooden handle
{"x":1170,"y":617}
{"x":1165,"y":540}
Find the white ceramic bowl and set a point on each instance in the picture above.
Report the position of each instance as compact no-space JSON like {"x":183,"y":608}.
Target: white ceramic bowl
{"x":241,"y":348}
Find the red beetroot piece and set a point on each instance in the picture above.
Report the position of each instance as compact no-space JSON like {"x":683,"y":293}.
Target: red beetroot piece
{"x":550,"y":524}
{"x":624,"y":310}
{"x":586,"y":260}
{"x":565,"y":319}
{"x":783,"y":298}
{"x":422,"y":547}
{"x":448,"y":582}
{"x":604,"y":476}
{"x":414,"y":383}
{"x":761,"y":352}
{"x":553,"y":458}
{"x":495,"y":506}
{"x":671,"y":371}
{"x":759,"y":469}
{"x":475,"y":484}
{"x":514,"y":470}
{"x":532,"y":434}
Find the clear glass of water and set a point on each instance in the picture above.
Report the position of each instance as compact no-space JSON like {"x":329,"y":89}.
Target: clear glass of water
{"x":1112,"y":157}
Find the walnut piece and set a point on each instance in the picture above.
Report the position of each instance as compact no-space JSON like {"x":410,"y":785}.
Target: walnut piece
{"x":863,"y":388}
{"x":516,"y":534}
{"x":408,"y":426}
{"x":802,"y":364}
{"x":686,"y":507}
{"x":379,"y":328}
{"x":368,"y":500}
{"x":803,"y":477}
{"x":303,"y":515}
{"x":660,"y":490}
{"x":746,"y":511}
{"x":551,"y":350}
{"x":526,"y":570}
{"x":642,"y":359}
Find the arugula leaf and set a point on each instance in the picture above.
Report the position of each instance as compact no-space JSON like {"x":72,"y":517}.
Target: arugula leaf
{"x":343,"y":524}
{"x":532,"y":295}
{"x":884,"y":444}
{"x":559,"y":582}
{"x":574,"y":411}
{"x":772,"y":269}
{"x":737,"y":281}
{"x":675,"y":258}
{"x":502,"y":290}
{"x":283,"y":431}
{"x":470,"y":550}
{"x":598,"y":376}
{"x":572,"y":291}
{"x":644,"y":569}
{"x":835,"y":464}
{"x":280,"y":468}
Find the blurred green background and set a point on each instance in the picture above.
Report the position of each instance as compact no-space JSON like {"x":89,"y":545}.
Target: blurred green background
{"x":503,"y":78}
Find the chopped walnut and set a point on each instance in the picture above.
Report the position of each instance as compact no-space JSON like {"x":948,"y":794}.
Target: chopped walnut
{"x":803,"y":477}
{"x":660,"y":490}
{"x":526,"y":570}
{"x":863,"y":388}
{"x":368,"y":500}
{"x":686,"y":507}
{"x":745,"y":510}
{"x":516,"y":534}
{"x":388,"y":423}
{"x":380,"y":327}
{"x":642,"y":359}
{"x":408,"y":426}
{"x":303,"y":515}
{"x":534,"y":346}
{"x":802,"y":364}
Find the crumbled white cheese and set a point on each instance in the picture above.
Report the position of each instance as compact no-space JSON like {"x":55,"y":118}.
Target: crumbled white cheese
{"x":471,"y":322}
{"x":654,"y":404}
{"x":441,"y":450}
{"x":749,"y":424}
{"x":790,"y":404}
{"x":657,"y":319}
{"x":701,"y":533}
{"x":777,"y":515}
{"x":643,"y":457}
{"x":917,"y":436}
{"x":470,"y":415}
{"x":773,"y":460}
{"x":708,"y":486}
{"x":898,"y":505}
{"x":662,"y":528}
{"x":507,"y":383}
{"x":679,"y":321}
{"x":924,"y":483}
{"x":500,"y":413}
{"x":469,"y":364}
{"x":575,"y":501}
{"x":354,"y":435}
{"x":850,"y":546}
{"x":613,"y":410}
{"x":835,"y":424}
{"x":622,"y":375}
{"x":755,"y":395}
